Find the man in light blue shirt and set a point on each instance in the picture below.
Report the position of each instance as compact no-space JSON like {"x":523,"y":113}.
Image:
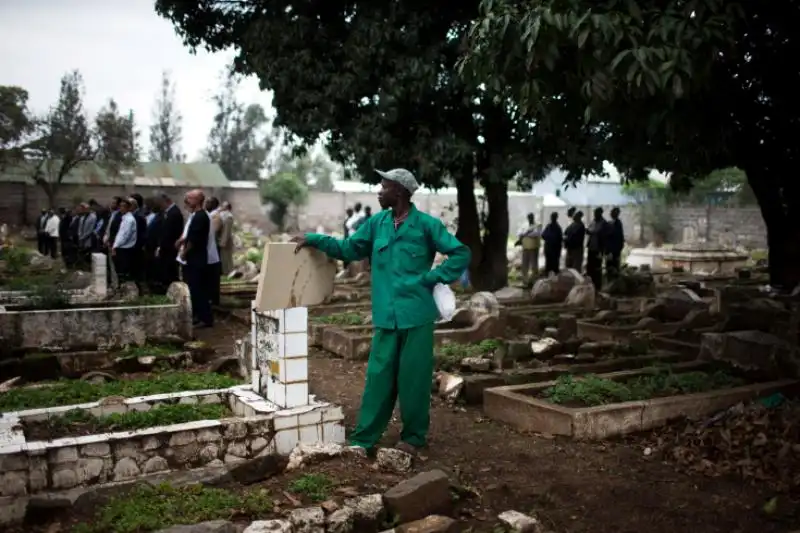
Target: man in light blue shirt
{"x":123,"y":249}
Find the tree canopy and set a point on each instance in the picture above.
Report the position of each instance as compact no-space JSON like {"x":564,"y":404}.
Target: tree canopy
{"x":54,"y":144}
{"x":684,"y":86}
{"x":166,"y":132}
{"x":15,"y":124}
{"x":242,"y":137}
{"x":378,"y":79}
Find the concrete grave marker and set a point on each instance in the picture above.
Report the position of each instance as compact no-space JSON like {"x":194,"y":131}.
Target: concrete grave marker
{"x":292,"y":280}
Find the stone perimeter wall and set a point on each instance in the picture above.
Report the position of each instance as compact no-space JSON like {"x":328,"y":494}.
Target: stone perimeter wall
{"x":744,"y":225}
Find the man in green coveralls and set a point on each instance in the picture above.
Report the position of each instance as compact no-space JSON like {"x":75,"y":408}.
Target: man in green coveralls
{"x":401,"y":242}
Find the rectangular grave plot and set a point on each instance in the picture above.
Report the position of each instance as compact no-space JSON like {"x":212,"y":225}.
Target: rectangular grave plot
{"x":475,"y":384}
{"x":519,"y":407}
{"x":596,"y":331}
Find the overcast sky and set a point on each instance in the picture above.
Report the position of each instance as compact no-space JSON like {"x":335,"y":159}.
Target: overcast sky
{"x":121,"y":47}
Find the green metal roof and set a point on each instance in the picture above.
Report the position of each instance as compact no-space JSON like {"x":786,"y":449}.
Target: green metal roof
{"x":154,"y":174}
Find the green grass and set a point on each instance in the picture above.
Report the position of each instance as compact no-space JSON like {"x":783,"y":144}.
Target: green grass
{"x":316,"y":487}
{"x":449,"y":356}
{"x":156,"y":350}
{"x":591,"y":390}
{"x":71,"y":392}
{"x":147,"y":508}
{"x":341,"y":319}
{"x":161,"y":415}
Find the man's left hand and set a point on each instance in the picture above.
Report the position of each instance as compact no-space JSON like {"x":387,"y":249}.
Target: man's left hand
{"x":300,"y":242}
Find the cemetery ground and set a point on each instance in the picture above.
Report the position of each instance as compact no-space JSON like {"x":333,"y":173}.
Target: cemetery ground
{"x":572,"y":486}
{"x":731,"y":469}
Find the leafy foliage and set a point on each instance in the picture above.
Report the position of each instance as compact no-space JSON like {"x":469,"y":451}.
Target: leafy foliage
{"x":685,"y":87}
{"x":63,"y":139}
{"x":592,"y":390}
{"x":15,"y":124}
{"x":316,"y":487}
{"x":377,"y":79}
{"x":73,"y":392}
{"x":52,"y":146}
{"x":282,"y":191}
{"x":80,"y":421}
{"x":166,"y":131}
{"x":149,"y":508}
{"x":449,"y":356}
{"x":117,"y":136}
{"x":237,"y":141}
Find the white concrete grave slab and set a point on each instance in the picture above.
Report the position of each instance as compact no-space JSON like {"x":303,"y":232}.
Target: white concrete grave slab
{"x":293,"y":280}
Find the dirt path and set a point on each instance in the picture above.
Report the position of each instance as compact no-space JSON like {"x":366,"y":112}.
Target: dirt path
{"x":608,"y":487}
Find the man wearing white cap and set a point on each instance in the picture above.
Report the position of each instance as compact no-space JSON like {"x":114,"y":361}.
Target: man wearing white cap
{"x":401,"y":242}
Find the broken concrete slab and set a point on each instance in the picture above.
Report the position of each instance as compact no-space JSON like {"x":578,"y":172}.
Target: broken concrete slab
{"x":290,"y":279}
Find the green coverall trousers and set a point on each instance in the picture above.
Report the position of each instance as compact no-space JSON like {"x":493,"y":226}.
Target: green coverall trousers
{"x":400,"y":365}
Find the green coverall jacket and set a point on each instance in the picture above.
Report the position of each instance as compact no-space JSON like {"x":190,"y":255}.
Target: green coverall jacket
{"x":402,"y":279}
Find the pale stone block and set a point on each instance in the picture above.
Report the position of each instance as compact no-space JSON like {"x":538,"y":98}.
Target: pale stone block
{"x":294,"y":345}
{"x":311,"y":434}
{"x":333,"y":432}
{"x":296,"y":394}
{"x":286,"y":440}
{"x":293,"y":370}
{"x":285,"y":421}
{"x":276,"y":393}
{"x":309,"y":418}
{"x":290,"y":279}
{"x":295,"y":320}
{"x":333,"y":413}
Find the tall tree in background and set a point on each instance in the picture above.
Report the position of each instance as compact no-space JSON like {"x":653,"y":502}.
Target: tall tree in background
{"x":64,"y":139}
{"x":117,"y":137}
{"x":15,"y":124}
{"x":684,"y":87}
{"x":379,"y":77}
{"x":166,"y":132}
{"x":241,"y":137}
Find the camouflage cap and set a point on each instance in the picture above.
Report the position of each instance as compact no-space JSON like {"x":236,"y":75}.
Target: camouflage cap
{"x":401,"y":176}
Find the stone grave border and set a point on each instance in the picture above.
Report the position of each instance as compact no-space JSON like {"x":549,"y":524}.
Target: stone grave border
{"x":273,"y":414}
{"x":257,"y":429}
{"x":475,"y":385}
{"x":591,"y":329}
{"x":112,"y":323}
{"x":516,"y":406}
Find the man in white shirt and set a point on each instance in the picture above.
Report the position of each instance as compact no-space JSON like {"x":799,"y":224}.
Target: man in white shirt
{"x":123,"y":249}
{"x":214,"y":272}
{"x":51,"y":233}
{"x":353,"y":222}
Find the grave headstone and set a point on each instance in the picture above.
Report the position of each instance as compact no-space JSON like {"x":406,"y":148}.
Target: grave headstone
{"x":293,"y":280}
{"x":100,"y":275}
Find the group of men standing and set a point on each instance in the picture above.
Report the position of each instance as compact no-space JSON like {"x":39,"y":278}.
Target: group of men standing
{"x":148,"y":241}
{"x":603,"y":240}
{"x":354,"y":217}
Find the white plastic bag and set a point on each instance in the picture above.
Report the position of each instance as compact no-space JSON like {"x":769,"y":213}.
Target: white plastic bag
{"x":445,"y":301}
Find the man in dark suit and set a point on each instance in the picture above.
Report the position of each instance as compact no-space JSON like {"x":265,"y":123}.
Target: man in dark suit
{"x":193,"y":254}
{"x":171,"y":231}
{"x":155,"y":224}
{"x":138,"y":270}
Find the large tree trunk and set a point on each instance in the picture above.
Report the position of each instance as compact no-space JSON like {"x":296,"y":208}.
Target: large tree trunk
{"x":781,"y":214}
{"x":489,"y":265}
{"x":492,"y":271}
{"x":469,"y":226}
